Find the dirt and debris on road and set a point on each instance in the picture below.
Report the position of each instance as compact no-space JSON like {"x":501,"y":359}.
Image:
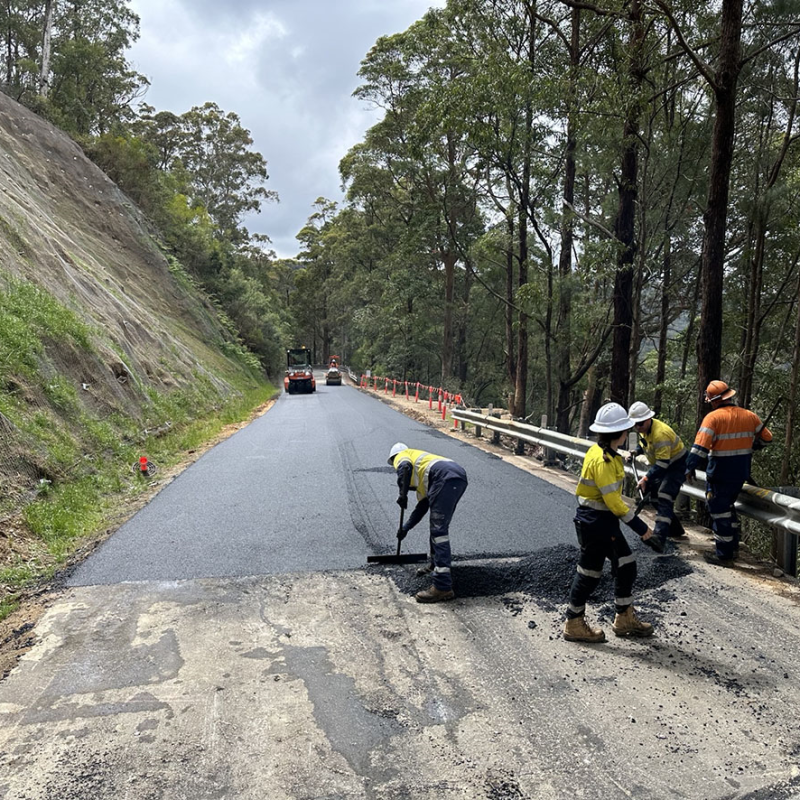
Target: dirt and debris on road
{"x":16,"y":630}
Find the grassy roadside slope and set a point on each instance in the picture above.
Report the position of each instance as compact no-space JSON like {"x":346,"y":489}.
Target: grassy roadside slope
{"x":107,"y":352}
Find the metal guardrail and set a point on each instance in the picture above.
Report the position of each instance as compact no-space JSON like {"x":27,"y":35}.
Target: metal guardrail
{"x":775,"y":509}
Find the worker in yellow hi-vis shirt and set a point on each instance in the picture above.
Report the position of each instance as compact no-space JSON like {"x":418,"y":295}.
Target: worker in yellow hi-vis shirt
{"x":600,"y":508}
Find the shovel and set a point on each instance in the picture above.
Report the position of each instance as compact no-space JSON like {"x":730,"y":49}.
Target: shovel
{"x":643,"y":500}
{"x":653,"y":543}
{"x":406,"y":558}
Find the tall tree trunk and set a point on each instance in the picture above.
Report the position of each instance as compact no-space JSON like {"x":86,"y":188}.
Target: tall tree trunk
{"x":563,"y":323}
{"x":511,"y":361}
{"x":624,"y":224}
{"x":715,"y":218}
{"x":9,"y":44}
{"x":463,"y":320}
{"x":588,"y":402}
{"x":794,"y":384}
{"x":755,"y":319}
{"x":47,"y":31}
{"x":687,"y":346}
{"x":449,"y":262}
{"x":666,"y":280}
{"x":521,"y":384}
{"x":636,"y":297}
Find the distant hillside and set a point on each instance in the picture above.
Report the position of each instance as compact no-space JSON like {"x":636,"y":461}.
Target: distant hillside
{"x":100,"y":335}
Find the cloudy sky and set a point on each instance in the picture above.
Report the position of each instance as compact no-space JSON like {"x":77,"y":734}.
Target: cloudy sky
{"x":287,"y":68}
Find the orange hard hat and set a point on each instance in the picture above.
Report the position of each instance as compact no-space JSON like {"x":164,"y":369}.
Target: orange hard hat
{"x":718,"y":390}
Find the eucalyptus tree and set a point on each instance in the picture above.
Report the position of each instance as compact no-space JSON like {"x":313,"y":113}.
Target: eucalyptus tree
{"x":92,"y":86}
{"x":226,"y":174}
{"x":746,"y":30}
{"x":420,"y":142}
{"x":770,"y":131}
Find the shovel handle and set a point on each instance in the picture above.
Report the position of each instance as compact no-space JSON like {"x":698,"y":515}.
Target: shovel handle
{"x":402,"y":514}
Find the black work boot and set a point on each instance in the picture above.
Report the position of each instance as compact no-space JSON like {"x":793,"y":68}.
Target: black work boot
{"x":712,"y":558}
{"x":655,"y":543}
{"x":676,"y":530}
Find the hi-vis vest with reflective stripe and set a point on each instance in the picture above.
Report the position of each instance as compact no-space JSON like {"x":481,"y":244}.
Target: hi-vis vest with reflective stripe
{"x":420,"y":464}
{"x":600,"y":486}
{"x":729,"y":431}
{"x":661,"y":444}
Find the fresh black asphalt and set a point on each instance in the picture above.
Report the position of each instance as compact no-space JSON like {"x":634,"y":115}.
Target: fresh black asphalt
{"x":306,"y":487}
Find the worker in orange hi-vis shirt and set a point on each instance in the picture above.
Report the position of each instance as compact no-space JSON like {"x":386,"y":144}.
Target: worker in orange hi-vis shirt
{"x":727,"y":438}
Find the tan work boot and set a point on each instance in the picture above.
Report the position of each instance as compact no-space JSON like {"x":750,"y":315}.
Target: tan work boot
{"x":434,"y":595}
{"x":425,"y":570}
{"x":578,"y":629}
{"x":628,"y":624}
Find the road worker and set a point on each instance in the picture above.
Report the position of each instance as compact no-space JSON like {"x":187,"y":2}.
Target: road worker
{"x":600,"y":508}
{"x":439,"y":483}
{"x":665,"y":453}
{"x":724,"y":445}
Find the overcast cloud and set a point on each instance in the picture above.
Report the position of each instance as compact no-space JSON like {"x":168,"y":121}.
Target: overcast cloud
{"x":287,"y":68}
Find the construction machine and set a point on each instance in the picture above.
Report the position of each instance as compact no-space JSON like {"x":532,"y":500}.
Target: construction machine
{"x":299,"y":373}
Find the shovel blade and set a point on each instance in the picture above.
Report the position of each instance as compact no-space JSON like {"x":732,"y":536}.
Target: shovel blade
{"x":404,"y":558}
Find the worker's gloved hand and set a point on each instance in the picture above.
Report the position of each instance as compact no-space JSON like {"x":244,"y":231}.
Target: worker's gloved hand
{"x":402,"y":501}
{"x":633,"y":454}
{"x":690,"y":477}
{"x":401,"y":534}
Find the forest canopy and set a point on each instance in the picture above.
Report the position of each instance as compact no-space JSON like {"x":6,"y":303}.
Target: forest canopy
{"x":562,"y":203}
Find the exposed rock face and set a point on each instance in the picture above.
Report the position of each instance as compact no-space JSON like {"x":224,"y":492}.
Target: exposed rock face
{"x":67,"y":229}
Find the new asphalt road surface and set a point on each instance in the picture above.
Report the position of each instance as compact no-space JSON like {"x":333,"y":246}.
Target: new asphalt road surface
{"x":229,"y":642}
{"x":307,"y":487}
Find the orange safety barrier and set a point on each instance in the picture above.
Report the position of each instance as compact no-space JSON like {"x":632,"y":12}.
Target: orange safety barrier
{"x":444,"y":398}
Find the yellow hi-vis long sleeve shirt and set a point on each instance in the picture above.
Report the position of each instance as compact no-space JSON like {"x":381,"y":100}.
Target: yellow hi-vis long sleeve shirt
{"x":600,"y":487}
{"x":662,"y":447}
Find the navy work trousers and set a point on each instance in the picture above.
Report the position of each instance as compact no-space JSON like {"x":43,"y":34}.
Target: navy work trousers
{"x":600,"y":538}
{"x":720,"y":499}
{"x":443,"y":497}
{"x":663,"y":493}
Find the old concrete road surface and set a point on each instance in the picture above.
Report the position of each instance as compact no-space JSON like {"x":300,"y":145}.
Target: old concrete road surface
{"x":229,"y":642}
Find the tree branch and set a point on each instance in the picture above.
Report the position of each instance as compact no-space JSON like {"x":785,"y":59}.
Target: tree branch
{"x":701,"y":65}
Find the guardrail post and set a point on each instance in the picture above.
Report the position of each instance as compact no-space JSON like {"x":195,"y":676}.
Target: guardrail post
{"x":495,"y":434}
{"x":550,"y":459}
{"x":784,"y":542}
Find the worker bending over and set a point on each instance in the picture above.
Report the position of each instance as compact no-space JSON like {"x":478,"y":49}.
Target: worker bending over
{"x":439,"y":483}
{"x":600,"y":508}
{"x":726,"y":440}
{"x":665,"y":453}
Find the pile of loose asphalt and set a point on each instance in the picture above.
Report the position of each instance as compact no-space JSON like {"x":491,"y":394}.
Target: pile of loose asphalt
{"x":545,"y":577}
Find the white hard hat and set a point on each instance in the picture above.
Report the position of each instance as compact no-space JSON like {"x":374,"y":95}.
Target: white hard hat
{"x":396,"y":448}
{"x":639,"y":412}
{"x":611,"y":418}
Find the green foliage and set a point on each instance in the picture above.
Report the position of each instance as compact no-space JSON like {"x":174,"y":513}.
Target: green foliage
{"x":28,"y":317}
